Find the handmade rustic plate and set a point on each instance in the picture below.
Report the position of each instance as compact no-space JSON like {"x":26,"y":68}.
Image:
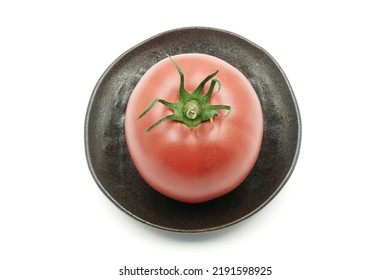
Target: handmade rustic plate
{"x":111,"y":165}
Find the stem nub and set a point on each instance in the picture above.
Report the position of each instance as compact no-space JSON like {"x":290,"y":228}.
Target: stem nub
{"x":192,"y":108}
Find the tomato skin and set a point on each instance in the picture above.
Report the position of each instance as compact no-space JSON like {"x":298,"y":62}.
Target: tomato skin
{"x":205,"y":162}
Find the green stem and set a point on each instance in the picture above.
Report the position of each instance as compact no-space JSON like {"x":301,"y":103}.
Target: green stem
{"x":192,"y":108}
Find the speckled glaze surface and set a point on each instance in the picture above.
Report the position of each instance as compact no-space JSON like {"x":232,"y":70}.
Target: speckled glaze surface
{"x":110,"y":162}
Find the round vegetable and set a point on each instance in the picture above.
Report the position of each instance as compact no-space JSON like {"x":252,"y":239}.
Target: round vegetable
{"x":193,"y":127}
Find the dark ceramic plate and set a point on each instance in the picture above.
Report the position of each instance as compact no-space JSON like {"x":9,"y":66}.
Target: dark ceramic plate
{"x":111,"y":165}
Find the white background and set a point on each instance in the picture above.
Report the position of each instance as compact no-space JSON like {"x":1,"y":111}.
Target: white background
{"x":331,"y":220}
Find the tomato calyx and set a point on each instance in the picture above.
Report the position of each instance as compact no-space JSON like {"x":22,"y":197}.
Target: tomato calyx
{"x":192,"y":108}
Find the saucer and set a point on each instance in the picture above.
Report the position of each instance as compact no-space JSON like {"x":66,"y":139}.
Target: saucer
{"x":114,"y":171}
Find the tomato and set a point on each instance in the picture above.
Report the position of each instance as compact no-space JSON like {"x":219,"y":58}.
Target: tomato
{"x":190,"y":160}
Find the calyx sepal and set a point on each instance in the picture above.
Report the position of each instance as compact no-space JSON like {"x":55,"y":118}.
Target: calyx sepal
{"x":192,"y":108}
